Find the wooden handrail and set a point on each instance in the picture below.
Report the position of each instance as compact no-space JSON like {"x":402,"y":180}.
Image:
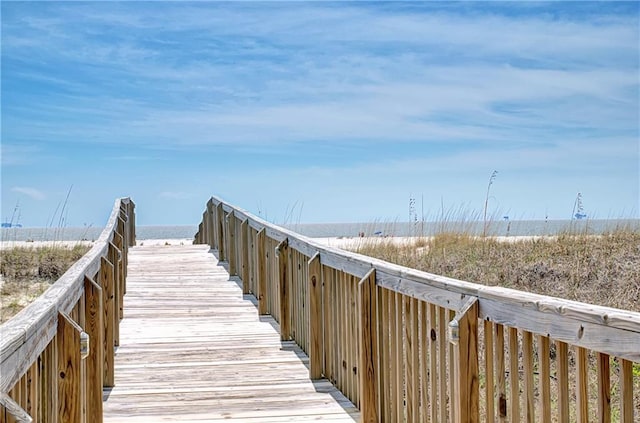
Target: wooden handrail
{"x":420,"y":373}
{"x":29,"y":358}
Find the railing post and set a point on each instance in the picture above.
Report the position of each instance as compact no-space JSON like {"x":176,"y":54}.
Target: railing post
{"x":204,"y":228}
{"x":69,"y":363}
{"x":220,"y":227}
{"x":282,"y":252}
{"x":315,"y":317}
{"x":114,"y":257}
{"x":244,"y":233}
{"x":95,"y":361}
{"x":132,"y":224}
{"x":262,"y":273}
{"x":463,"y":334}
{"x":209,"y":222}
{"x":368,"y":370}
{"x":106,"y":282}
{"x":231,"y":235}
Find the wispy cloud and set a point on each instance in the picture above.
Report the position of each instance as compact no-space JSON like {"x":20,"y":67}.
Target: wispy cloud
{"x":404,"y":85}
{"x":30,"y":192}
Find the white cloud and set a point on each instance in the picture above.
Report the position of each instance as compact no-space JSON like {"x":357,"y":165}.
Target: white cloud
{"x":30,"y":192}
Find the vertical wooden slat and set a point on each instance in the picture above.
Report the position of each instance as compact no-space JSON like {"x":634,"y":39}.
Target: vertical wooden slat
{"x":114,"y":257}
{"x":452,"y":383}
{"x":626,"y":391}
{"x":545,"y":378}
{"x":33,"y":378}
{"x":466,"y":353}
{"x":582,"y":380}
{"x":261,"y":295}
{"x":343,"y":334}
{"x":433,"y":362}
{"x":500,"y":369}
{"x":351,"y":339}
{"x":393,"y":363}
{"x":527,"y":362}
{"x":69,"y":387}
{"x":368,"y":368}
{"x":604,"y":388}
{"x":514,"y":375}
{"x":231,"y":218}
{"x":327,"y":299}
{"x":415,"y":357}
{"x":424,"y":364}
{"x":398,"y":358}
{"x":106,"y":282}
{"x":442,"y":362}
{"x":94,"y":327}
{"x":383,"y":322}
{"x":244,"y":230}
{"x":409,"y":343}
{"x":489,"y":372}
{"x":562,"y":355}
{"x":83,"y":363}
{"x":220,"y":232}
{"x":315,"y":317}
{"x":283,"y":273}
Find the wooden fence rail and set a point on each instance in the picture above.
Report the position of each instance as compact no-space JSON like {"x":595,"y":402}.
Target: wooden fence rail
{"x":406,"y":345}
{"x":57,"y":354}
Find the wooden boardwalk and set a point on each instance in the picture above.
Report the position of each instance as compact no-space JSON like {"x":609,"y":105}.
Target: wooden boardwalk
{"x":193,"y":349}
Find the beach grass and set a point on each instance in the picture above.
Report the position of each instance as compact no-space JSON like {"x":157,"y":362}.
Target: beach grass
{"x":28,"y":271}
{"x":597,"y":269}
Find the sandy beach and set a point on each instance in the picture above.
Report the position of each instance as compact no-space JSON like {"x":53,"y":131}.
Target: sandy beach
{"x":349,"y":243}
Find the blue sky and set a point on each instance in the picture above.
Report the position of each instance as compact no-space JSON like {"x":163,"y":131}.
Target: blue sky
{"x":339,"y":111}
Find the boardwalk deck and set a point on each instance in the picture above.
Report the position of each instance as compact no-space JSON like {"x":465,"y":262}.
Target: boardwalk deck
{"x":193,"y":349}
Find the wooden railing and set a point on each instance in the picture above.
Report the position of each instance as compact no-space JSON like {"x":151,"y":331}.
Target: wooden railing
{"x":57,"y":354}
{"x":405,"y":345}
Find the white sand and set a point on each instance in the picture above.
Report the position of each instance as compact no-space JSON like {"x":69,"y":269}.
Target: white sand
{"x":177,"y":241}
{"x":37,"y":244}
{"x":70,"y":244}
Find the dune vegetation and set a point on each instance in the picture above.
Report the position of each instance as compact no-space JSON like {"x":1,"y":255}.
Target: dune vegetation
{"x":28,"y":271}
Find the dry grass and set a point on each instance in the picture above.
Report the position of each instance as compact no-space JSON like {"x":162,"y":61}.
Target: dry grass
{"x":28,"y":272}
{"x":603,"y":270}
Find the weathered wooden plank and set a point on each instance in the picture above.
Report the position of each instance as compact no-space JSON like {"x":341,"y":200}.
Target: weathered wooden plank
{"x":13,"y":409}
{"x":284,"y":282}
{"x":562,"y":357}
{"x":94,"y":327}
{"x":626,"y":388}
{"x":315,"y":318}
{"x":69,"y":362}
{"x":368,"y":362}
{"x":466,"y":352}
{"x":170,"y":364}
{"x":604,"y":389}
{"x":261,"y":293}
{"x":244,"y":230}
{"x":545,"y":377}
{"x":108,"y":309}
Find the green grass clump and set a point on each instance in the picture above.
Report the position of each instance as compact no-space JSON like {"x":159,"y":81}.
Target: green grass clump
{"x":28,"y":272}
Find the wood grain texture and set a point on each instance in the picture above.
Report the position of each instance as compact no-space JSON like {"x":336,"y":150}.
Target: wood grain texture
{"x":207,"y":357}
{"x":69,"y":363}
{"x":94,"y":327}
{"x":315,"y":318}
{"x":368,"y":362}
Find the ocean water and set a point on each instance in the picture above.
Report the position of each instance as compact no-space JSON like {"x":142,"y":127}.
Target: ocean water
{"x":318,"y":230}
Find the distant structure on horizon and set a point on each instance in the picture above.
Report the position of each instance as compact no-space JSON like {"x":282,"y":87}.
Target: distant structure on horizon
{"x":10,"y":225}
